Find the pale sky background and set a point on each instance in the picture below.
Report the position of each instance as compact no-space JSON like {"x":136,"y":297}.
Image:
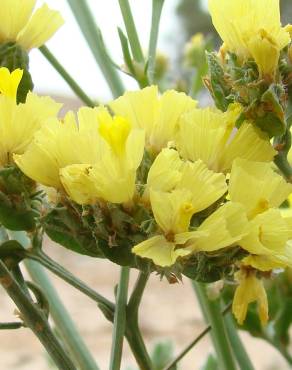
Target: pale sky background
{"x":69,"y":47}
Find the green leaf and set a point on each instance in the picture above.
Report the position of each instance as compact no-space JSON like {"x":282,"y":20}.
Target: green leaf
{"x":12,"y":249}
{"x":15,"y":215}
{"x":64,"y":226}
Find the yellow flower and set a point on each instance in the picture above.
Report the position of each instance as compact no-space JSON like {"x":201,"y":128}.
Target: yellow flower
{"x":173,"y":212}
{"x":224,"y":228}
{"x":94,"y":159}
{"x":251,"y":29}
{"x":9,"y":82}
{"x":19,"y":122}
{"x":210,"y":135}
{"x":20,"y":25}
{"x":169,"y":172}
{"x":269,"y":233}
{"x":250,"y":290}
{"x":158,"y":116}
{"x":257,"y":186}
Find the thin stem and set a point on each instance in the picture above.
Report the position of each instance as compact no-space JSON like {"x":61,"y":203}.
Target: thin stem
{"x":157,"y":6}
{"x":284,"y":166}
{"x":66,"y":275}
{"x":237,"y":347}
{"x":120,"y":319}
{"x":35,"y":320}
{"x":133,"y":332}
{"x":93,"y":36}
{"x":11,"y":325}
{"x":194,"y":342}
{"x":66,"y":76}
{"x":66,"y":327}
{"x":131,"y":31}
{"x":212,"y":314}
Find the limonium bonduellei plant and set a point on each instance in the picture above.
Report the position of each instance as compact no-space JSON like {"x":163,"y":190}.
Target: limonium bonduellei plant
{"x":151,"y":180}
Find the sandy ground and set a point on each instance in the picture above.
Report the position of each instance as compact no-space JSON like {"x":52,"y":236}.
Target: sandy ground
{"x":167,"y":311}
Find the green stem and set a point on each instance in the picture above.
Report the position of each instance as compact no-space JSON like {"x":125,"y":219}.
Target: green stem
{"x":284,"y":166}
{"x":35,"y":320}
{"x":131,"y":31}
{"x":66,"y":326}
{"x":212,"y":314}
{"x":66,"y":76}
{"x":175,"y":361}
{"x":133,"y":332}
{"x":66,"y":275}
{"x":11,"y":325}
{"x":64,"y":323}
{"x":157,"y":6}
{"x":93,"y":36}
{"x":237,"y":347}
{"x":120,"y":319}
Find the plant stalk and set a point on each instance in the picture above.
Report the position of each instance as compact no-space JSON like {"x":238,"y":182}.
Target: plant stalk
{"x":120,"y":319}
{"x":133,"y":332}
{"x":66,"y":327}
{"x":131,"y":31}
{"x":93,"y":36}
{"x":66,"y":275}
{"x":35,"y":320}
{"x":66,"y":76}
{"x":212,"y":314}
{"x":157,"y":6}
{"x":237,"y":347}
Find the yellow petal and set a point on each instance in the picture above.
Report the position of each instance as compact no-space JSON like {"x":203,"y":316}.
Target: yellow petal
{"x":14,"y":16}
{"x":9,"y":82}
{"x":202,"y":135}
{"x":247,"y":143}
{"x":164,"y":174}
{"x":78,"y":184}
{"x":224,"y":228}
{"x":257,"y":186}
{"x":205,"y":185}
{"x":172,"y":105}
{"x":269,"y":233}
{"x":159,"y":250}
{"x":250,"y":290}
{"x":41,"y":27}
{"x":172,"y":211}
{"x":139,"y":107}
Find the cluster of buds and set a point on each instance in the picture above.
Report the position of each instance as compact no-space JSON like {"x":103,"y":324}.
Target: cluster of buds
{"x":154,"y":182}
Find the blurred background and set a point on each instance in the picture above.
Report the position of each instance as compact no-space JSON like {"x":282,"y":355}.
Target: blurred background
{"x":169,"y":312}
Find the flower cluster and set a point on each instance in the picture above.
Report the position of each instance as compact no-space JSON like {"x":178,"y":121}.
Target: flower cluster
{"x":159,"y":183}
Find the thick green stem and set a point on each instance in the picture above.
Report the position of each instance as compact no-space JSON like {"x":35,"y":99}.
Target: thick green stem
{"x":66,"y":275}
{"x":133,"y":332}
{"x":120,"y":320}
{"x":93,"y":36}
{"x":66,"y":327}
{"x":131,"y":31}
{"x":237,"y":347}
{"x":157,"y":6}
{"x":212,"y":314}
{"x":35,"y":320}
{"x":66,"y":76}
